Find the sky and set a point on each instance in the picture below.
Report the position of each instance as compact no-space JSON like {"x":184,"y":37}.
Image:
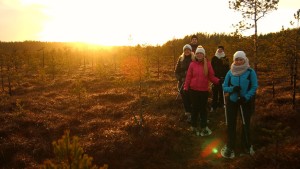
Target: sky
{"x":128,"y":22}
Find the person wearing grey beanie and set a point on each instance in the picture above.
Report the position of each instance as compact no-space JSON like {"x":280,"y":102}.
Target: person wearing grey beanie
{"x":181,"y":68}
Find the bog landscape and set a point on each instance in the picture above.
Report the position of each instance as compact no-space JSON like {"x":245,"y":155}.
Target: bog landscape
{"x":119,"y":106}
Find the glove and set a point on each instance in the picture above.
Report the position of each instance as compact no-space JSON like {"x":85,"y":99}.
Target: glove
{"x":241,"y":100}
{"x":236,"y":89}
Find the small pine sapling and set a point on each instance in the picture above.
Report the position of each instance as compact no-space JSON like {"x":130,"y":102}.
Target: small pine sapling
{"x":69,"y":155}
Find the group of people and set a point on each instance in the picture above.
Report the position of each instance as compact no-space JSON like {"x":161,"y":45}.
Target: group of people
{"x":194,"y":72}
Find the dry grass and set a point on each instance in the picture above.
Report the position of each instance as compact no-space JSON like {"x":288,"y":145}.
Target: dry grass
{"x":104,"y":120}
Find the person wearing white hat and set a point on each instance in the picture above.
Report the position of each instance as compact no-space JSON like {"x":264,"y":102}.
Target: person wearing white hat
{"x":241,"y":84}
{"x":199,"y":74}
{"x":181,"y":68}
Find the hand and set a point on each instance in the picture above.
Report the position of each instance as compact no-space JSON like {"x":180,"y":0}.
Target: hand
{"x":241,"y":100}
{"x":236,"y":89}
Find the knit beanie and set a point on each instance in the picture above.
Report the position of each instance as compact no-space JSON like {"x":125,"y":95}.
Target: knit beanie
{"x":200,"y":49}
{"x":240,"y":54}
{"x":187,"y":46}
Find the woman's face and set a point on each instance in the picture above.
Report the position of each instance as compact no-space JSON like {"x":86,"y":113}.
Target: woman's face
{"x":187,"y":52}
{"x":199,"y":56}
{"x":239,"y":61}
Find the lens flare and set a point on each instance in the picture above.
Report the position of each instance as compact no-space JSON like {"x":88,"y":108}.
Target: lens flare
{"x":215,"y":150}
{"x":210,"y":147}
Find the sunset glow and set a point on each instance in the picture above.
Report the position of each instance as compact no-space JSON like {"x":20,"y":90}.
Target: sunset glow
{"x":130,"y":22}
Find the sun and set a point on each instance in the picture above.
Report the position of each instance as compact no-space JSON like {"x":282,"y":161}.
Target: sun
{"x":98,"y":22}
{"x":82,"y":22}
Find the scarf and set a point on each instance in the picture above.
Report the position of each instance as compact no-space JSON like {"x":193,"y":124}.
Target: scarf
{"x":219,"y":55}
{"x":239,"y":70}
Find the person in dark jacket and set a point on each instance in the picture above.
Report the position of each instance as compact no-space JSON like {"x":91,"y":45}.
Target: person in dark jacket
{"x":181,"y":68}
{"x":241,"y":84}
{"x":194,"y":43}
{"x":220,"y":64}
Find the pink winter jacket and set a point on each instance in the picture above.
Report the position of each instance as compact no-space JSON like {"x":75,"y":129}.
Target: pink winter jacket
{"x":195,"y":78}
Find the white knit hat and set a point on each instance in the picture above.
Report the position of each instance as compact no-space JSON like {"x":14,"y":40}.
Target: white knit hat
{"x":200,"y":49}
{"x":240,"y":54}
{"x":187,"y":46}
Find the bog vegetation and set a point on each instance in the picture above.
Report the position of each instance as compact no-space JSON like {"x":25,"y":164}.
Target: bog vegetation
{"x":120,"y":105}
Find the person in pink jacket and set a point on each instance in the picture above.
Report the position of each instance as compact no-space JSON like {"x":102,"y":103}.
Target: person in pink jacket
{"x":199,"y":74}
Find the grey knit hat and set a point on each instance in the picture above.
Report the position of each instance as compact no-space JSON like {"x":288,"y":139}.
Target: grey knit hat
{"x":187,"y":46}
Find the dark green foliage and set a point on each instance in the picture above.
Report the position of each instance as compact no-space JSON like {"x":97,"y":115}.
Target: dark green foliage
{"x":69,"y":155}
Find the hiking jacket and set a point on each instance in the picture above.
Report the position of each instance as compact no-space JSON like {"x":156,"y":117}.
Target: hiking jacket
{"x":195,"y":78}
{"x":247,"y":81}
{"x":182,"y":66}
{"x":194,"y":47}
{"x":220,"y":66}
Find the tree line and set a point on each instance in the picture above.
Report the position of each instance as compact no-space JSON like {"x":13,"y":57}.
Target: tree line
{"x":277,"y":55}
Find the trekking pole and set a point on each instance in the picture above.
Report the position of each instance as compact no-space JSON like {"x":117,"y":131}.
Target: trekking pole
{"x":244,"y":124}
{"x":224,"y":99}
{"x":242,"y":115}
{"x":179,"y":91}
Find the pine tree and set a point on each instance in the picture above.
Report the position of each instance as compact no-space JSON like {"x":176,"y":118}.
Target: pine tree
{"x":252,"y":11}
{"x":69,"y":155}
